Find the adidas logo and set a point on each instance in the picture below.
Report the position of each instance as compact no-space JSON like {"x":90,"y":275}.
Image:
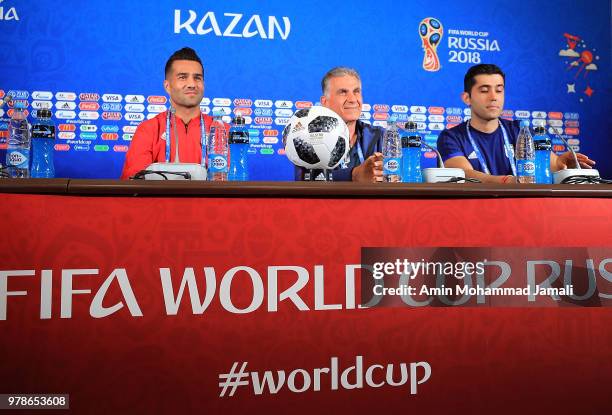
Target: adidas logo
{"x":297,"y":127}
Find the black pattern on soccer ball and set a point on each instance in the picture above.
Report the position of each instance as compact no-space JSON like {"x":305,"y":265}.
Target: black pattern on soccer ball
{"x":305,"y":151}
{"x":285,"y":134}
{"x":337,"y":152}
{"x":302,"y":113}
{"x":322,"y":124}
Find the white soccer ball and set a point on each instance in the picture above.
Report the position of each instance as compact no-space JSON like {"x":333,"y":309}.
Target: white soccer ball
{"x":316,"y":138}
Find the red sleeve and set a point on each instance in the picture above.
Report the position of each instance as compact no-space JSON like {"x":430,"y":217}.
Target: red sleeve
{"x":140,"y":153}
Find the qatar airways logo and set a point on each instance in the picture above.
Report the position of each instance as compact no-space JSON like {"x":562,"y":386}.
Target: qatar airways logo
{"x":231,"y":25}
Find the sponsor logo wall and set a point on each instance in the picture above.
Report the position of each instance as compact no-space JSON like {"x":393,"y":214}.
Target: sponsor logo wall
{"x":267,"y":61}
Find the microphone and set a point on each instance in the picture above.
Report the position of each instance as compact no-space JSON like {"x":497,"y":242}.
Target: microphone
{"x":441,"y":173}
{"x":565,"y":175}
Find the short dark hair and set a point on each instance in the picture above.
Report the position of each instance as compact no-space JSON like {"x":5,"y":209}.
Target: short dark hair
{"x":483,"y":69}
{"x":185,"y":54}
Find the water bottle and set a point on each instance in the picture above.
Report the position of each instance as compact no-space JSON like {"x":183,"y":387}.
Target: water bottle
{"x":411,"y":154}
{"x":392,"y":153}
{"x":239,"y":146}
{"x":18,"y":148}
{"x":217,"y":149}
{"x":43,"y":141}
{"x":525,"y":155}
{"x":542,"y":145}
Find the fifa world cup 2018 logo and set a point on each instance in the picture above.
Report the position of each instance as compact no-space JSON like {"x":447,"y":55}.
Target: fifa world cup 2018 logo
{"x":431,"y":31}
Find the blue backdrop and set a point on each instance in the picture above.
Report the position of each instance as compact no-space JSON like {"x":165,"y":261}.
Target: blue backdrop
{"x":96,"y":61}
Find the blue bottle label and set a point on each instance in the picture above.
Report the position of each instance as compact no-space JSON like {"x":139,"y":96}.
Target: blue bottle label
{"x":525,"y":167}
{"x":391,"y":165}
{"x":217,"y":163}
{"x":18,"y":158}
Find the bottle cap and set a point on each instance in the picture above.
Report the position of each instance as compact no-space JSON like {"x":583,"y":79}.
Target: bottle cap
{"x":18,"y":105}
{"x":539,"y":130}
{"x":239,"y":120}
{"x":524,"y":123}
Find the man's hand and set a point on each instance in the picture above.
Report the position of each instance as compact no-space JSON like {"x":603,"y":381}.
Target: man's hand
{"x":370,"y":171}
{"x":566,"y":160}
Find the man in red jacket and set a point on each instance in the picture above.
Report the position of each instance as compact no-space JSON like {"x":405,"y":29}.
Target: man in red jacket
{"x":184,"y":83}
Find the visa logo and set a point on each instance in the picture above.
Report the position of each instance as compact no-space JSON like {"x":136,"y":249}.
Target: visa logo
{"x":112,"y":98}
{"x":402,"y":109}
{"x":281,"y":121}
{"x":134,"y":116}
{"x":521,"y":114}
{"x":263,"y":103}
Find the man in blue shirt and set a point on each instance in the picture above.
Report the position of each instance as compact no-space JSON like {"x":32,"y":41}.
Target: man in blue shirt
{"x":341,"y":88}
{"x":484,"y":145}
